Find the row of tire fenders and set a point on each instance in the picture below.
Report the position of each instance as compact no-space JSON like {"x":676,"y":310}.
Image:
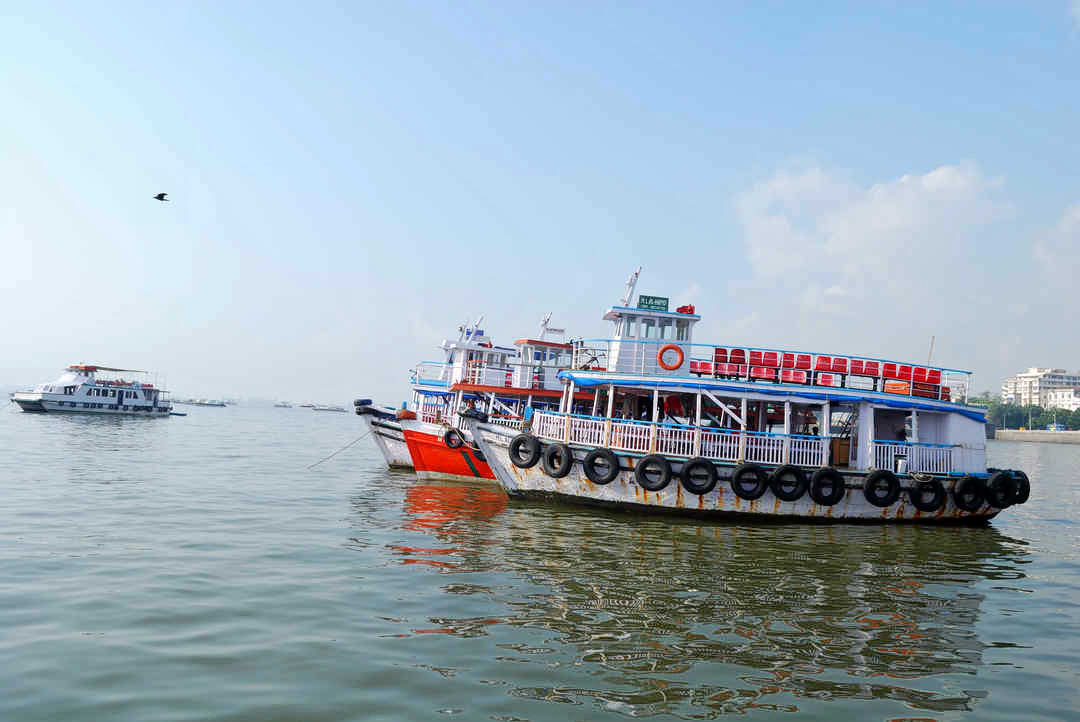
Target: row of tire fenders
{"x":826,"y":486}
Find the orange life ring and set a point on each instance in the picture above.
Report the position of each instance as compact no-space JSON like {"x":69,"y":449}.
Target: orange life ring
{"x":660,"y":357}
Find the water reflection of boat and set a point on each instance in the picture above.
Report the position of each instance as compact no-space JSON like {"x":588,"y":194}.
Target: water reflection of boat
{"x":792,"y":617}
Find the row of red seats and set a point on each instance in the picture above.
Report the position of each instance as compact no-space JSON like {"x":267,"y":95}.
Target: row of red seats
{"x":828,"y":364}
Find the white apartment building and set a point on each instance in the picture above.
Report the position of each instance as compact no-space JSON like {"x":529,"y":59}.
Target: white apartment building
{"x":1067,"y":398}
{"x":1032,"y":387}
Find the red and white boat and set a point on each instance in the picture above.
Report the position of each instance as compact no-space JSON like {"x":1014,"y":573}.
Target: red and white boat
{"x":501,"y":382}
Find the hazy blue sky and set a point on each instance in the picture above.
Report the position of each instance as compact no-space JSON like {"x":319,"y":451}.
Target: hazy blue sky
{"x":350,"y":181}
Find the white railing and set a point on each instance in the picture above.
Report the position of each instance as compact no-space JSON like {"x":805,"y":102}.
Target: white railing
{"x":807,"y":451}
{"x":675,"y":440}
{"x":722,"y":445}
{"x":510,"y":422}
{"x":587,"y":431}
{"x":630,"y":436}
{"x":484,"y":375}
{"x":765,"y":449}
{"x":431,"y":371}
{"x":930,"y":458}
{"x":549,"y":425}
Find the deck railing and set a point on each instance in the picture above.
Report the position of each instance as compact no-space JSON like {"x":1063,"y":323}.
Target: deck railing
{"x":678,"y":440}
{"x":510,"y":422}
{"x":773,"y":366}
{"x":429,"y":371}
{"x":928,"y":458}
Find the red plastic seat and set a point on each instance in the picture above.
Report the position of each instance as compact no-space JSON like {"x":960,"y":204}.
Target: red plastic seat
{"x":802,"y":361}
{"x":770,"y":358}
{"x":793,"y":376}
{"x":719,"y":356}
{"x":933,"y":376}
{"x":945,"y":393}
{"x":839,"y":365}
{"x":755,"y":358}
{"x":787,"y":361}
{"x":926,"y":391}
{"x":824,"y":363}
{"x":737,"y":356}
{"x":903,"y":373}
{"x":889,"y":371}
{"x":762,"y":373}
{"x":918,"y":375}
{"x":701,"y":367}
{"x":827,"y":380}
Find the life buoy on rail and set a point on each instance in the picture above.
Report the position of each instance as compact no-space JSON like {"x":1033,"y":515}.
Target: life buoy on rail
{"x":601,"y":466}
{"x":660,"y":357}
{"x":452,"y":438}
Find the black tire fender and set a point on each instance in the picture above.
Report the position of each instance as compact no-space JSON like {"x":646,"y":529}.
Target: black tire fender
{"x":918,"y":495}
{"x":524,"y":451}
{"x":1001,"y":490}
{"x":557,"y":460}
{"x":652,"y":463}
{"x":787,"y":476}
{"x":827,"y":478}
{"x":969,"y":493}
{"x":453,"y":439}
{"x":749,"y":481}
{"x":610,"y":460}
{"x":881,"y":488}
{"x":691,"y":480}
{"x":1023,"y":487}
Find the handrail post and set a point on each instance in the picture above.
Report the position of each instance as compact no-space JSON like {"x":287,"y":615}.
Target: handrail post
{"x":785,"y":454}
{"x":652,"y":437}
{"x":607,"y":421}
{"x":697,"y":427}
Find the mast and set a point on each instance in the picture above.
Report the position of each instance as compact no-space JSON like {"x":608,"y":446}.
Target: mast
{"x":631,"y":283}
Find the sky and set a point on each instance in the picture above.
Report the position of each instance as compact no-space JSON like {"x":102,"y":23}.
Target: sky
{"x":350,"y":182}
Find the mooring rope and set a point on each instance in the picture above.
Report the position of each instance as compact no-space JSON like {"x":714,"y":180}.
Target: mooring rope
{"x":340,"y":450}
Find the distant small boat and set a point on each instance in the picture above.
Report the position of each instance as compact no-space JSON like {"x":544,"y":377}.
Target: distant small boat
{"x":282,"y":405}
{"x":308,"y":405}
{"x":321,"y":407}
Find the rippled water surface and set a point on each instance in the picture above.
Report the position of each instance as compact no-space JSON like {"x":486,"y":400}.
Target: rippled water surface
{"x":192,"y":568}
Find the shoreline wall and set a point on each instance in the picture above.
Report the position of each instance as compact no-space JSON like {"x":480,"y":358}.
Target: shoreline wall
{"x":1053,"y":437}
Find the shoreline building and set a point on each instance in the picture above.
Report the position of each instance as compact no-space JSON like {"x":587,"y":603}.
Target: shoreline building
{"x":1032,"y":387}
{"x":1067,"y":398}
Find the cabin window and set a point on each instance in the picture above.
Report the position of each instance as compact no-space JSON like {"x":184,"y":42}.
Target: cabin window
{"x":667,"y":329}
{"x":648,"y":328}
{"x":631,"y":327}
{"x":112,"y":392}
{"x":682,"y":330}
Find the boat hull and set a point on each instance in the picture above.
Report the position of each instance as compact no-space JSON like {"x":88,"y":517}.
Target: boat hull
{"x":390,"y":441}
{"x":34,"y":402}
{"x":433,"y":459}
{"x":624,"y":492}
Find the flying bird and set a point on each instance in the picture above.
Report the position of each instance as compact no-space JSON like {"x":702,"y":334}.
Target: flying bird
{"x":161,"y":197}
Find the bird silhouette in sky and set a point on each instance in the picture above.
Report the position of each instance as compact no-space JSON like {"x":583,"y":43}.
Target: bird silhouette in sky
{"x":161,"y":197}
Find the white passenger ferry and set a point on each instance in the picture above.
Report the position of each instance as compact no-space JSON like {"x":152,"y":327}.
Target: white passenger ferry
{"x":94,"y":389}
{"x":723,"y":429}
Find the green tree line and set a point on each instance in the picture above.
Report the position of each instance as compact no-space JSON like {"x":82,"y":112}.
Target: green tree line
{"x":1012,"y":416}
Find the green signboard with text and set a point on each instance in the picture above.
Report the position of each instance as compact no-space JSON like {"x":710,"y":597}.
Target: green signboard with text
{"x":652,"y":303}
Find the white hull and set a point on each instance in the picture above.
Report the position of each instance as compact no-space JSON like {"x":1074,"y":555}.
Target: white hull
{"x":391,"y":442}
{"x":55,"y":403}
{"x":721,"y":501}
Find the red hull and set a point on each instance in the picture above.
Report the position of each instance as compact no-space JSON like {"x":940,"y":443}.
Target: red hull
{"x":433,"y":458}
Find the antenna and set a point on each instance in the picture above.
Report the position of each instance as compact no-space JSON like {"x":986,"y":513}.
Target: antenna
{"x":544,"y":327}
{"x":931,"y":351}
{"x":631,"y":283}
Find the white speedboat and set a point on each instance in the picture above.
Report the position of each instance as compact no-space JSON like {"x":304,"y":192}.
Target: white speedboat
{"x":92,"y":389}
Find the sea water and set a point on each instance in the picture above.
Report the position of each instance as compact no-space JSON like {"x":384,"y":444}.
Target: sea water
{"x":193,"y":568}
